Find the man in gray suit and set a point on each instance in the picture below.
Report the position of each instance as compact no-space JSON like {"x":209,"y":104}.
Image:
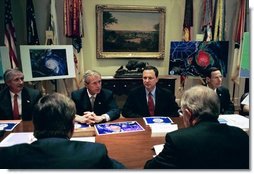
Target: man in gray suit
{"x":26,"y":97}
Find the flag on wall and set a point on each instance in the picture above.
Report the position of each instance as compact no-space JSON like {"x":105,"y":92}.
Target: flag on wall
{"x":187,"y":25}
{"x":73,"y":27}
{"x":73,"y":22}
{"x":219,"y":27}
{"x":53,"y":21}
{"x":238,"y":42}
{"x":9,"y":34}
{"x":188,"y":20}
{"x":207,"y":20}
{"x":32,"y":35}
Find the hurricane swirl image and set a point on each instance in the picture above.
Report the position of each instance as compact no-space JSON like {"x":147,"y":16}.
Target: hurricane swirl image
{"x":48,"y":62}
{"x":193,"y":58}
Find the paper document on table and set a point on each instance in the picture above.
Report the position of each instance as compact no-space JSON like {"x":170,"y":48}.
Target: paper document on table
{"x":160,"y":130}
{"x":8,"y":125}
{"x":18,"y":138}
{"x":235,"y":120}
{"x":157,"y":120}
{"x":118,"y":127}
{"x":27,"y":137}
{"x":158,"y":148}
{"x":87,"y":139}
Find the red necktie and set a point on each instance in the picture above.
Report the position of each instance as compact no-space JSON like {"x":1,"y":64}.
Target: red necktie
{"x":15,"y":108}
{"x":150,"y":104}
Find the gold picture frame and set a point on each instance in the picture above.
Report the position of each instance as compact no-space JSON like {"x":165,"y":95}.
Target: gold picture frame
{"x":130,"y":32}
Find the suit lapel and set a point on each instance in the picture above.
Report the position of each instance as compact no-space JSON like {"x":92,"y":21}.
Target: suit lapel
{"x":86,"y":101}
{"x":7,"y":103}
{"x":99,"y":100}
{"x":26,"y":101}
{"x":219,"y":92}
{"x":144,"y":101}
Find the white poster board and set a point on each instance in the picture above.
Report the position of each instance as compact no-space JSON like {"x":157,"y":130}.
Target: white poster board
{"x":47,"y":62}
{"x":4,"y":62}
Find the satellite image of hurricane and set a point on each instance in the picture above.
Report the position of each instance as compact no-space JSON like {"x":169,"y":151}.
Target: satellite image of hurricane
{"x":195,"y":57}
{"x":48,"y":62}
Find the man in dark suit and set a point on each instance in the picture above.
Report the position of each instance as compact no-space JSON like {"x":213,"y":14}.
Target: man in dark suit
{"x":53,"y":127}
{"x":26,"y":97}
{"x":204,"y":143}
{"x":94,"y":104}
{"x":137,"y":103}
{"x":214,"y":81}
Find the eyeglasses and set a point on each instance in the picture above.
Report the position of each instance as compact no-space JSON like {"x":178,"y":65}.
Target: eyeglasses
{"x":180,"y":112}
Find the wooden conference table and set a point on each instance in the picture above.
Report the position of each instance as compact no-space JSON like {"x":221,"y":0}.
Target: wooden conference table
{"x":131,"y":149}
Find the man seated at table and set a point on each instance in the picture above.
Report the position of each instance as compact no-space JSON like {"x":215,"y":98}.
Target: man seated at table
{"x":93,"y":103}
{"x":214,"y":81}
{"x":150,"y":99}
{"x":204,"y":143}
{"x":16,"y":100}
{"x":53,"y":119}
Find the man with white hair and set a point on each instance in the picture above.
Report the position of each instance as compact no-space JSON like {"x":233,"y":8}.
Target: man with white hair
{"x":204,"y":143}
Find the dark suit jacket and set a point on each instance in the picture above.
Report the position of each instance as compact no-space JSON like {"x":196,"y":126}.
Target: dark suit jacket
{"x":226,"y":105}
{"x":136,"y":103}
{"x":207,"y":145}
{"x":104,"y":103}
{"x":57,"y":153}
{"x":29,"y":98}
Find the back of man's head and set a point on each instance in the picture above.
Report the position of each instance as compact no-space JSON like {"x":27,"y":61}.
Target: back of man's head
{"x":202,"y":101}
{"x":53,"y":116}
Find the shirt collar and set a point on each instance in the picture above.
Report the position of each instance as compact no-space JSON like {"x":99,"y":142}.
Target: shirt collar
{"x":152,"y":92}
{"x":12,"y":94}
{"x":90,"y":95}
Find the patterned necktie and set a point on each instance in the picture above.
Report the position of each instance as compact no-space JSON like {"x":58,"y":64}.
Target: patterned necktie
{"x":150,"y":104}
{"x":15,"y":107}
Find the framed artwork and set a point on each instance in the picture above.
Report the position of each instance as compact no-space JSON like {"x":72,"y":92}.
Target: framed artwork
{"x":195,"y":57}
{"x":4,"y":62}
{"x":47,"y":62}
{"x":130,"y":32}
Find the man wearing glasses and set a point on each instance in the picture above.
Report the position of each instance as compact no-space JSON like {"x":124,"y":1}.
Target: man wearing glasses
{"x":150,"y":99}
{"x":204,"y":143}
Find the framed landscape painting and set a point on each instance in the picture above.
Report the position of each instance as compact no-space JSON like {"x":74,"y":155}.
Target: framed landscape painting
{"x":130,"y":31}
{"x":47,"y":62}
